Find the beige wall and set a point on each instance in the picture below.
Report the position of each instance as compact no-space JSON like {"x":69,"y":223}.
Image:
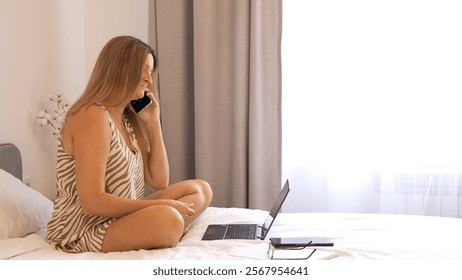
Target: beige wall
{"x":46,"y":46}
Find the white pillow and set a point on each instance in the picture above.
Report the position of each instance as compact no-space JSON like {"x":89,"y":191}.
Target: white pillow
{"x":23,"y":210}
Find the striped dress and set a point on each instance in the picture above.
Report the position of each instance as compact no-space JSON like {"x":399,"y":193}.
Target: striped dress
{"x":71,"y":230}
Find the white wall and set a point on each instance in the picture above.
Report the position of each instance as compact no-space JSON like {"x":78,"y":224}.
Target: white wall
{"x":50,"y":45}
{"x":105,"y":19}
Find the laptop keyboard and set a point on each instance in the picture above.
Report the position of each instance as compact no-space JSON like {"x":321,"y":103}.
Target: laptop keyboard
{"x":241,"y":231}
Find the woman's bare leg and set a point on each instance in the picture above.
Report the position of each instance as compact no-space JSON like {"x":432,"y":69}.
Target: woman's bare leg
{"x":158,"y":226}
{"x":196,"y":192}
{"x":152,"y":227}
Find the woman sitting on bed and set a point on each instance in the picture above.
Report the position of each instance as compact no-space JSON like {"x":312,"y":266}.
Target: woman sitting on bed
{"x":105,"y":156}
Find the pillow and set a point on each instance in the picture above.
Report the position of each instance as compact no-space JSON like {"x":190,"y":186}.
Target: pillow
{"x":23,"y":210}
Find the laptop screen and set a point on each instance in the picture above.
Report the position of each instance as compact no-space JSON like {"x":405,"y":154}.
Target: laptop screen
{"x":275,"y":209}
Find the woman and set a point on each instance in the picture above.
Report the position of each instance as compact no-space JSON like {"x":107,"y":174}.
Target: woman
{"x":107,"y":153}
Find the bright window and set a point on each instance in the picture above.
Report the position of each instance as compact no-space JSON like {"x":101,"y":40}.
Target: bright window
{"x":370,"y":86}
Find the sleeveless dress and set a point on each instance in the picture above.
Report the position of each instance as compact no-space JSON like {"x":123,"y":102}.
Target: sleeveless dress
{"x":71,"y":230}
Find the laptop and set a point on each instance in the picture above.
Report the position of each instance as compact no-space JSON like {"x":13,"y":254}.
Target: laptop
{"x":247,"y":231}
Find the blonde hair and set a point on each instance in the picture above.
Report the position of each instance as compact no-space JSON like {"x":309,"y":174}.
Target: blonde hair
{"x":116,"y":75}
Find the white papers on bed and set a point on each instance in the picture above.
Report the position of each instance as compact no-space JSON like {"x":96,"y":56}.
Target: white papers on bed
{"x":260,"y":252}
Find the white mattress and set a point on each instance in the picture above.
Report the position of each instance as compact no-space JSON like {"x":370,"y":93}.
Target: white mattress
{"x":356,"y":236}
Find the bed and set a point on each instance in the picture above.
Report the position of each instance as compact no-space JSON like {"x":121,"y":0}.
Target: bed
{"x":24,"y":213}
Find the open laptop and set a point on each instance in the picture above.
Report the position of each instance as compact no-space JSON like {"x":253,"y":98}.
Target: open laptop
{"x":247,"y":231}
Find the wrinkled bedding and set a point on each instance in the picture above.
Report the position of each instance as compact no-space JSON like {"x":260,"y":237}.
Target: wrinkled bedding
{"x":356,"y":236}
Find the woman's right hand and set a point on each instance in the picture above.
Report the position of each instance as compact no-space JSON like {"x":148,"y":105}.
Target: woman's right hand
{"x":151,"y":111}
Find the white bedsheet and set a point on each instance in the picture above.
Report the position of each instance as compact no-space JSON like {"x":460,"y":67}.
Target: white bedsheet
{"x":356,"y":236}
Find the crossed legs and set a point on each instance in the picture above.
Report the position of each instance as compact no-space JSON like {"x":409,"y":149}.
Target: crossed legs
{"x":159,"y":226}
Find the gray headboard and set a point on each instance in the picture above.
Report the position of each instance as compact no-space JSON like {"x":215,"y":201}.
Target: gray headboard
{"x":10,"y":159}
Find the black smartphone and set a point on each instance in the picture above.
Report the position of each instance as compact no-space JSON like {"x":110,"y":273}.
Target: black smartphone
{"x":285,"y":242}
{"x":139,"y":104}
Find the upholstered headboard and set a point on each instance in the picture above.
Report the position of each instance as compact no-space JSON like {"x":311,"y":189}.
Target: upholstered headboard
{"x":10,"y":159}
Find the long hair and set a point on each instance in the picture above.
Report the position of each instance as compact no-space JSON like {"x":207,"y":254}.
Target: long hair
{"x":116,"y":75}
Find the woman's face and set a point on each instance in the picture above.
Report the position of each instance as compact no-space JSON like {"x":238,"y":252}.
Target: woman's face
{"x":146,"y":76}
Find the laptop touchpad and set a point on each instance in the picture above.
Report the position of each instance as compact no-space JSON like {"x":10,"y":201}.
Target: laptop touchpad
{"x":215,"y":232}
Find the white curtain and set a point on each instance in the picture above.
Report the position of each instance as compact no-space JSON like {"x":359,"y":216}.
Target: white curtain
{"x":372,"y":115}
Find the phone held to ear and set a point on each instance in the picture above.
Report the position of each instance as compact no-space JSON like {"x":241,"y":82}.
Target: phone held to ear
{"x":138,"y":105}
{"x":300,"y":242}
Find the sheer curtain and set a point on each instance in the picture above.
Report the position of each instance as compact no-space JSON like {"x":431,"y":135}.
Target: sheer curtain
{"x":372,"y":106}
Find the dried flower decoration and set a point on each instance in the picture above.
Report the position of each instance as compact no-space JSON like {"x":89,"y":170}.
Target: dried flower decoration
{"x":55,"y":120}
